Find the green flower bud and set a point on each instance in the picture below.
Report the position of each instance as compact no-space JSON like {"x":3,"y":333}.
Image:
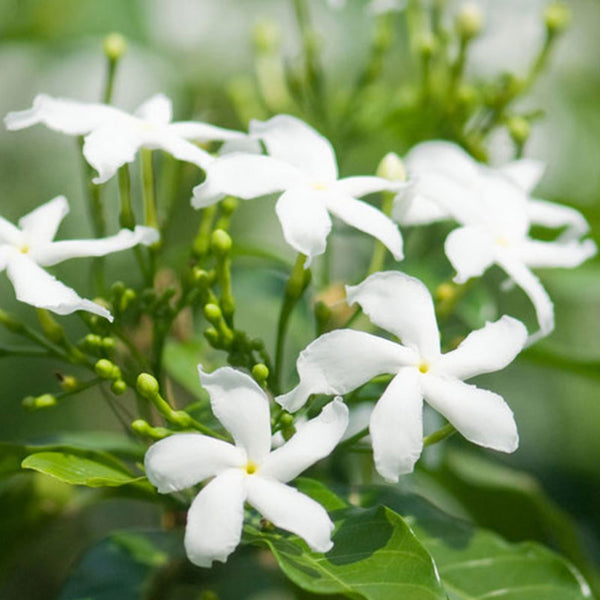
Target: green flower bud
{"x":68,"y":383}
{"x":220,"y":242}
{"x":117,"y":288}
{"x":147,"y":385}
{"x":127,"y":298}
{"x":118,"y":387}
{"x":105,"y":369}
{"x":39,"y":403}
{"x":201,"y":277}
{"x":391,"y":167}
{"x":108,"y":344}
{"x":427,"y":45}
{"x":92,"y":341}
{"x":469,"y":21}
{"x":260,"y":372}
{"x":519,"y":129}
{"x":212,"y":335}
{"x":228,"y":205}
{"x":10,"y":322}
{"x":557,"y":17}
{"x":286,"y":419}
{"x":213,"y":313}
{"x":144,"y":429}
{"x":266,"y":36}
{"x":51,"y":329}
{"x":114,"y":46}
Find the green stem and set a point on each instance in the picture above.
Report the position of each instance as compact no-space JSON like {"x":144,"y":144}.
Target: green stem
{"x":150,"y":219}
{"x":441,"y":434}
{"x":202,"y":239}
{"x":126,"y":217}
{"x":296,"y":284}
{"x":378,"y":259}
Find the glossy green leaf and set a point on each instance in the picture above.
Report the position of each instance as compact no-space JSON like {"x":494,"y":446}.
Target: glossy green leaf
{"x":375,"y":557}
{"x":92,"y":469}
{"x":475,"y":563}
{"x":321,"y":493}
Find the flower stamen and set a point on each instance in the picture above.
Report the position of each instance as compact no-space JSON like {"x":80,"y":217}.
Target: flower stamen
{"x":251,"y":468}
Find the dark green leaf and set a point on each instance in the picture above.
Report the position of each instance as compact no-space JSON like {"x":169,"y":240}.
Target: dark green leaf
{"x":92,"y":469}
{"x":321,"y":493}
{"x":375,"y":557}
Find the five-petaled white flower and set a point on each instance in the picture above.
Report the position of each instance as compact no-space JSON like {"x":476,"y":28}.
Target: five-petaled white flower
{"x":302,"y":165}
{"x":247,"y":471}
{"x":113,"y":136}
{"x":342,"y":360}
{"x":24,"y":250}
{"x":496,"y":213}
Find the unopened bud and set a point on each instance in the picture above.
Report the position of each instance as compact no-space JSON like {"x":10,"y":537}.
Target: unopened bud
{"x":147,"y":385}
{"x":118,"y":387}
{"x":114,"y":46}
{"x":469,"y":21}
{"x":519,"y":129}
{"x":557,"y":17}
{"x":220,"y":241}
{"x":10,"y":322}
{"x":105,"y":369}
{"x":266,"y":36}
{"x":51,"y":329}
{"x":213,"y":337}
{"x":213,"y":313}
{"x":144,"y":429}
{"x":228,"y":205}
{"x":127,"y":298}
{"x":445,"y":292}
{"x":68,"y":383}
{"x":39,"y":403}
{"x":260,"y":372}
{"x":391,"y":167}
{"x":427,"y":45}
{"x":108,"y":344}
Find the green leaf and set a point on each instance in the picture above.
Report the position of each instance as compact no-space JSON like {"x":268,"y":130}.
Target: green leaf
{"x":321,"y":493}
{"x":92,"y":469}
{"x":375,"y":557}
{"x":475,"y":563}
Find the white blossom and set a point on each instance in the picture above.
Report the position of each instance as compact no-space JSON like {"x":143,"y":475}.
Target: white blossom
{"x":302,"y":165}
{"x":26,"y":249}
{"x":246,"y":471}
{"x":343,"y":360}
{"x":113,"y":137}
{"x":496,"y":211}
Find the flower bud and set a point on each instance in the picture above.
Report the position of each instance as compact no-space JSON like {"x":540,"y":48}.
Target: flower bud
{"x":519,"y":129}
{"x":228,"y":205}
{"x":51,"y":329}
{"x":127,"y":298}
{"x":144,"y":429}
{"x":118,"y":387}
{"x":213,"y":313}
{"x":68,"y":383}
{"x":10,"y":322}
{"x":212,"y":335}
{"x":220,"y":242}
{"x":266,"y":36}
{"x":445,"y":292}
{"x":105,"y":369}
{"x":260,"y":372}
{"x":92,"y":341}
{"x":469,"y":20}
{"x":108,"y":344}
{"x":427,"y":45}
{"x":391,"y":167}
{"x":557,"y":17}
{"x":114,"y":46}
{"x":39,"y":403}
{"x":147,"y":386}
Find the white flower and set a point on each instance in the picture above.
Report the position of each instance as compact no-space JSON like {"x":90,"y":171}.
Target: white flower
{"x":302,"y":165}
{"x":24,"y":250}
{"x":113,"y":136}
{"x":246,"y":471}
{"x":496,"y":212}
{"x":343,"y":360}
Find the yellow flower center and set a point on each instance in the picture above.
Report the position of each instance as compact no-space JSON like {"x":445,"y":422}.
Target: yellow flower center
{"x":319,"y":185}
{"x":251,"y":468}
{"x":502,"y":241}
{"x":423,"y":367}
{"x":24,"y":248}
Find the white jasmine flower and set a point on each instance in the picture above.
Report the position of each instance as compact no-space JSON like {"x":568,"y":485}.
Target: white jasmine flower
{"x":246,"y":471}
{"x":113,"y":137}
{"x":302,"y":165}
{"x":496,"y":213}
{"x":343,"y":360}
{"x":24,"y":250}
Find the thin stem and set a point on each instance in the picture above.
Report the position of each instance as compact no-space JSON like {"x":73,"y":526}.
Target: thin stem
{"x":445,"y":432}
{"x":150,"y":219}
{"x":126,"y":217}
{"x":296,"y":284}
{"x":378,"y":259}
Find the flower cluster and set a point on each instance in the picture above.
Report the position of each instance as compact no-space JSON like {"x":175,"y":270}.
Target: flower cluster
{"x":494,"y":210}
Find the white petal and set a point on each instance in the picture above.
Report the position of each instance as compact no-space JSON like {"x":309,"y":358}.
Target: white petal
{"x":312,"y":442}
{"x":291,"y":510}
{"x":550,"y":214}
{"x":246,"y":144}
{"x":109,"y":148}
{"x":40,"y":225}
{"x":342,"y":360}
{"x":157,"y":110}
{"x":178,"y":147}
{"x":567,"y":254}
{"x":242,"y":407}
{"x":531,"y":285}
{"x":471,"y":252}
{"x":401,"y":305}
{"x":66,"y":116}
{"x":363,"y":185}
{"x":366,"y":218}
{"x":396,"y":426}
{"x":36,"y":287}
{"x":215,"y":519}
{"x":291,"y":140}
{"x":56,"y":252}
{"x":207,"y":193}
{"x":9,"y":234}
{"x":479,"y":415}
{"x":185,"y":459}
{"x":411,"y":208}
{"x":304,"y":220}
{"x":247,"y":176}
{"x":204,"y":132}
{"x":444,"y":157}
{"x":486,"y":350}
{"x":526,"y":173}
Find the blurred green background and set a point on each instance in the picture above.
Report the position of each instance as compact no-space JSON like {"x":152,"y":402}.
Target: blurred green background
{"x":199,"y":52}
